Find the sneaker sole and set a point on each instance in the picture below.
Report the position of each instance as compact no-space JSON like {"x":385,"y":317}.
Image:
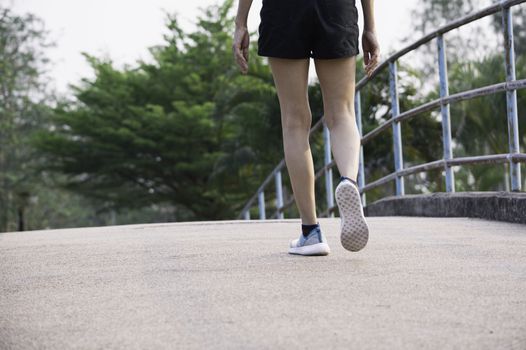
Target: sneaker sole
{"x":313,"y":249}
{"x":354,"y":229}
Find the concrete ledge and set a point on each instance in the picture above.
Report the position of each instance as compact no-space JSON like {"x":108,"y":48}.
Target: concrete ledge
{"x":501,"y":206}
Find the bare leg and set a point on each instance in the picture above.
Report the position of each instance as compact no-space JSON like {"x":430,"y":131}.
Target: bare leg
{"x":337,"y":80}
{"x":291,"y":80}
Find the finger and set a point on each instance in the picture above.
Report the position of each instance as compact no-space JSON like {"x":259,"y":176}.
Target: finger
{"x":242,"y":66}
{"x":370,"y":72}
{"x":245,"y":53}
{"x":245,"y":57}
{"x":239,"y":55}
{"x":241,"y":62}
{"x":366,"y":58}
{"x":375,"y":65}
{"x":237,"y":49}
{"x":371,"y":67}
{"x":240,"y":59}
{"x":373,"y":62}
{"x":372,"y":58}
{"x":376,"y":57}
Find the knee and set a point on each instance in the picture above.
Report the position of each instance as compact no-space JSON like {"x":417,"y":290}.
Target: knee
{"x":337,"y":115}
{"x":296,"y":118}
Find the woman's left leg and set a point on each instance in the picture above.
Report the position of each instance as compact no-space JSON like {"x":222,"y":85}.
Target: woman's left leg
{"x":291,"y":80}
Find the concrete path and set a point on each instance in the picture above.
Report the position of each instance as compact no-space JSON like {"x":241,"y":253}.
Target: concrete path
{"x":421,"y":283}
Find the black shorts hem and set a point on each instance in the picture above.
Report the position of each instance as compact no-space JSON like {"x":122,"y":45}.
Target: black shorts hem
{"x":349,"y":53}
{"x":281,"y":55}
{"x":345,"y":54}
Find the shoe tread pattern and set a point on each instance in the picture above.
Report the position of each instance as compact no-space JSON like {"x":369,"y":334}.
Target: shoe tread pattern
{"x":354,"y":230}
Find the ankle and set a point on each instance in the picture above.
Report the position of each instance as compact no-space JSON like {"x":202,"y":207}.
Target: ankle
{"x":348,"y":178}
{"x":306,"y":229}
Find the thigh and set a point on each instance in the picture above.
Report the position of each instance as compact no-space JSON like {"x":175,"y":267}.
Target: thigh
{"x":336,"y":29}
{"x":285,"y":29}
{"x":291,"y":78}
{"x":337,"y":81}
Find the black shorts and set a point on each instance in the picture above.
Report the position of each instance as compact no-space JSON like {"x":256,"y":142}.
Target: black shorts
{"x":308,"y":28}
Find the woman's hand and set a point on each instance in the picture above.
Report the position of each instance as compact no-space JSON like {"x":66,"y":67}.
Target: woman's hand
{"x":240,"y":47}
{"x":371,"y":51}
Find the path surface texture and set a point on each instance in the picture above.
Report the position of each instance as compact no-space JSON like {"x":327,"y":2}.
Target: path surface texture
{"x":420,"y":283}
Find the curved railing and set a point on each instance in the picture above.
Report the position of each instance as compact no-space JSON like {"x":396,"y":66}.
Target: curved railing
{"x":510,"y":86}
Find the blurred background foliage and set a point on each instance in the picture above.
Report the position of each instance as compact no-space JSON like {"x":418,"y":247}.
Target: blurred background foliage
{"x":187,"y":137}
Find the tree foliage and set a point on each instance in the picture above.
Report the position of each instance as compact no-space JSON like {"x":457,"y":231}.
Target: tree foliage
{"x":22,"y":64}
{"x":187,"y":129}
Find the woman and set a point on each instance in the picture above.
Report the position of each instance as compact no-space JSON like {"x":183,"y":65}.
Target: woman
{"x":290,"y":33}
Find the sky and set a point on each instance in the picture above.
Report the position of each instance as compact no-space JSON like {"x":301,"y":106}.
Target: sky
{"x":124,"y":29}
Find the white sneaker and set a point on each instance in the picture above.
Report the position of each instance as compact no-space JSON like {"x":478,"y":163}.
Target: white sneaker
{"x":354,"y":230}
{"x":314,"y":244}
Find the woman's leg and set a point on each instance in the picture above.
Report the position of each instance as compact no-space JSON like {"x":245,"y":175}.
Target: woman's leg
{"x":337,"y":84}
{"x":337,"y":80}
{"x":291,"y":80}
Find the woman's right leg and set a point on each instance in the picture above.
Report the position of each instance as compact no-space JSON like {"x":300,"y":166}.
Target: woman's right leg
{"x":337,"y":81}
{"x":291,"y":80}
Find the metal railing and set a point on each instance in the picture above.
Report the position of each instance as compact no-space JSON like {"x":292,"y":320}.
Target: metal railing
{"x":510,"y":86}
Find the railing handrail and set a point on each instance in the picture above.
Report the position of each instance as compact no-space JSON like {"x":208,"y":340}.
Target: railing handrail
{"x":492,"y":158}
{"x":461,"y":96}
{"x":510,"y":87}
{"x":490,"y":10}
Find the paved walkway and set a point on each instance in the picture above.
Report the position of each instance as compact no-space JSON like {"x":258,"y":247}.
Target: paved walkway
{"x":421,"y":283}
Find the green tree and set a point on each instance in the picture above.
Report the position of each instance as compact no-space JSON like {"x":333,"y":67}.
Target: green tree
{"x":22,"y":67}
{"x":180,"y":130}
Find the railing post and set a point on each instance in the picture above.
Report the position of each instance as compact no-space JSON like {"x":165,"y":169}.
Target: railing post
{"x":247,"y":214}
{"x":358,"y":113}
{"x":261,"y":205}
{"x":397,"y":132}
{"x":445,"y":112}
{"x":279,"y":194}
{"x":328,"y":172}
{"x":511,"y":99}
